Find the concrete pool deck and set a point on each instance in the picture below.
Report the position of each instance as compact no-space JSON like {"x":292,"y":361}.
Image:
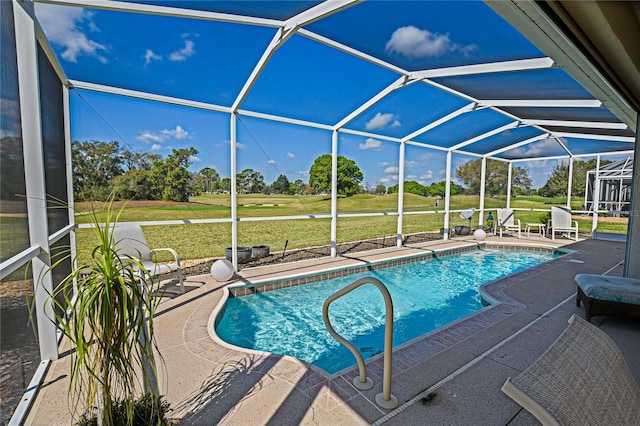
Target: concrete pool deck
{"x":461,"y":366}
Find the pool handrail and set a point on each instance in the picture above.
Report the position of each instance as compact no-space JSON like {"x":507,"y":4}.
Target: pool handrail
{"x":362,"y":382}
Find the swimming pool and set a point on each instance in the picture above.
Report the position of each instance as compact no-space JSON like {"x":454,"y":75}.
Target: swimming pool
{"x":426,"y":295}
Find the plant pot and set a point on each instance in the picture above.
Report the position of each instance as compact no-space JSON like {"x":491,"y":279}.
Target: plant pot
{"x":462,"y":230}
{"x":258,"y":252}
{"x":244,"y":254}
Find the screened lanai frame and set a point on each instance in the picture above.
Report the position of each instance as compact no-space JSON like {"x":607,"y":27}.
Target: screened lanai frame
{"x":565,"y":126}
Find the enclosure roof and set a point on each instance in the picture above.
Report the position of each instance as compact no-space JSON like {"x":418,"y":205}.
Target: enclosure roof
{"x":452,"y":76}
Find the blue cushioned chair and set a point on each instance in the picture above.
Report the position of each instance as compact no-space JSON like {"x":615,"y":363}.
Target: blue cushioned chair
{"x":604,"y":295}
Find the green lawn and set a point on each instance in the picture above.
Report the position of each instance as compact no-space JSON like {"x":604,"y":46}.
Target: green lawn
{"x":196,"y":241}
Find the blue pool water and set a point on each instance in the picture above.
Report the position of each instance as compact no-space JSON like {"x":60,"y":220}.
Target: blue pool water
{"x":426,"y":295}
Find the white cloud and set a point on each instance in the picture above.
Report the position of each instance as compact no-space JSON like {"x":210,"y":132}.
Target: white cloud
{"x":411,"y":177}
{"x":389,"y":179}
{"x":427,"y":175}
{"x":156,"y":147}
{"x":184,"y":53}
{"x":291,"y":155}
{"x":385,"y":164}
{"x":63,"y":27}
{"x":536,"y":149}
{"x":380,"y":121}
{"x":271,"y":162}
{"x":195,"y":159}
{"x":414,"y":42}
{"x":371,"y":145}
{"x":410,"y":163}
{"x":391,"y":169}
{"x":149,"y":56}
{"x":178,"y":133}
{"x":303,"y":172}
{"x":238,"y":145}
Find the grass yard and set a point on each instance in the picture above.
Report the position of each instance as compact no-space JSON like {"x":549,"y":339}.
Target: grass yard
{"x":199,"y":241}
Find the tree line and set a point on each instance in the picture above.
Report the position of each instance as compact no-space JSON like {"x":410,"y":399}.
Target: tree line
{"x":100,"y":167}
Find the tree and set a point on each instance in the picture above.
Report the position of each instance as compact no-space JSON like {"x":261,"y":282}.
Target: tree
{"x":496,"y":180}
{"x":300,"y":187}
{"x":349,"y":175}
{"x":170,"y":177}
{"x":95,"y":164}
{"x":557,"y":184}
{"x":225,"y":184}
{"x":380,"y":189}
{"x":251,"y":181}
{"x":210,"y":179}
{"x":281,"y":185}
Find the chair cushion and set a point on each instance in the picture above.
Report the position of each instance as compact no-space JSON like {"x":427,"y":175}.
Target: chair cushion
{"x":155,"y":269}
{"x":612,"y":289}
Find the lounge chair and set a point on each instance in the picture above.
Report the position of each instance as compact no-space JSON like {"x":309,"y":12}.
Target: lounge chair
{"x":508,"y":222}
{"x":130,"y":242}
{"x":582,"y":379}
{"x":561,"y":222}
{"x":604,"y":295}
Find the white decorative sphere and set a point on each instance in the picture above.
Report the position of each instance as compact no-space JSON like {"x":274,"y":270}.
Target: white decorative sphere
{"x":479,"y":234}
{"x":222,"y":270}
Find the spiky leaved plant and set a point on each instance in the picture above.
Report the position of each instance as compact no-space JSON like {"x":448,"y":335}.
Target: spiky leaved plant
{"x":105,"y":311}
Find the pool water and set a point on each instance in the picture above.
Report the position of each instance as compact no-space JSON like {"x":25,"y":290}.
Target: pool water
{"x":426,"y":295}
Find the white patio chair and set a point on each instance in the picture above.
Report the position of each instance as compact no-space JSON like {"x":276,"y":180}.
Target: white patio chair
{"x":508,"y":222}
{"x":131,"y":242}
{"x":561,"y":222}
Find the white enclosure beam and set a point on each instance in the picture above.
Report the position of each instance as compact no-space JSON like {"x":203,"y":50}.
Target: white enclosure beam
{"x":509,"y":178}
{"x":34,"y":175}
{"x":334,"y":193}
{"x":541,"y":103}
{"x":440,"y":121}
{"x":578,"y":124}
{"x":75,"y":84}
{"x":165,"y":11}
{"x":629,"y":139}
{"x":234,"y":189}
{"x":447,"y":196}
{"x":280,"y":37}
{"x":281,"y":119}
{"x":351,"y":51}
{"x":371,"y":135}
{"x":317,"y":12}
{"x":399,"y":233}
{"x":517,"y":145}
{"x":569,"y":183}
{"x":596,"y":198}
{"x":483,"y":180}
{"x":368,"y":104}
{"x":485,"y":135}
{"x":494,"y":67}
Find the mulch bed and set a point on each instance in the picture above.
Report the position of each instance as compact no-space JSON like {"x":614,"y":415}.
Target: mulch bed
{"x":203,"y":266}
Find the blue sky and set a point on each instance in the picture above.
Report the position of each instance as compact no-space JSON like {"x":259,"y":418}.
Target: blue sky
{"x":209,"y":62}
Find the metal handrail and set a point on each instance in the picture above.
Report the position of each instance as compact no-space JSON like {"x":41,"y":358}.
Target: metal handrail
{"x":384,"y":399}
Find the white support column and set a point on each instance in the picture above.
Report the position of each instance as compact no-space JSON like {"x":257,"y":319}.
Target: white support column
{"x":68,"y":155}
{"x":334,"y":193}
{"x":27,"y":55}
{"x":632,"y":253}
{"x":483,"y":178}
{"x":586,"y":190}
{"x":596,"y":197}
{"x":509,"y":176}
{"x":447,"y":196}
{"x":234,"y":191}
{"x":569,"y":183}
{"x":399,"y":234}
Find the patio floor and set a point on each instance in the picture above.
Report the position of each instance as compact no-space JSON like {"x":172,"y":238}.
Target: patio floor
{"x":463,"y":365}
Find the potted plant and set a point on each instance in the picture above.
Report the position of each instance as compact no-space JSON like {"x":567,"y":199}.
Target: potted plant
{"x":103,"y":308}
